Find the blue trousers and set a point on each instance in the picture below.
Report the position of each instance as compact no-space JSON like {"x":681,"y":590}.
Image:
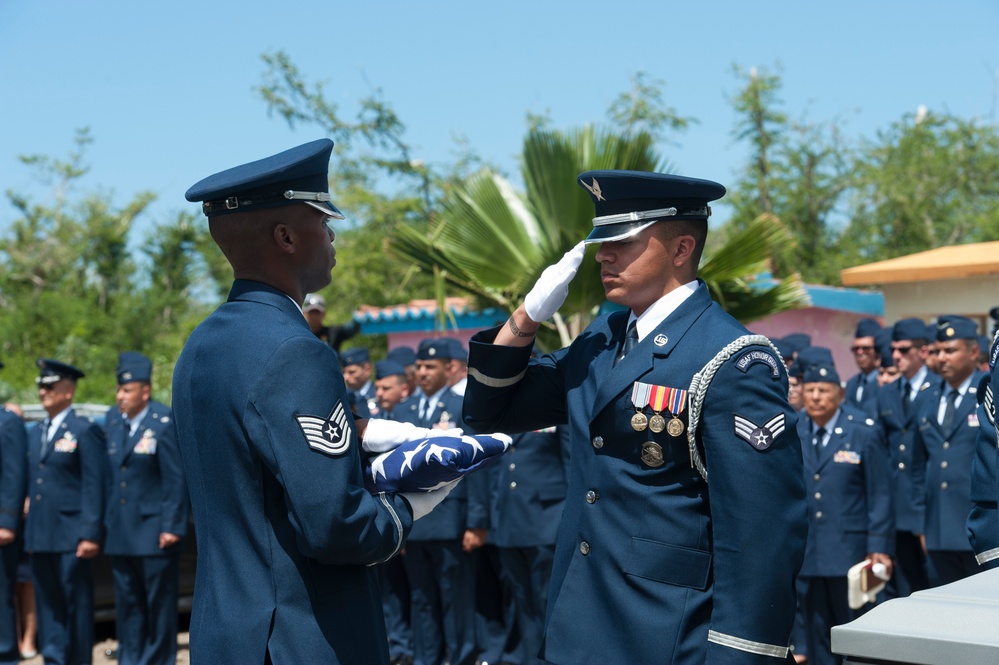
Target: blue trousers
{"x":64,"y":597}
{"x":9,"y":648}
{"x":145,"y":594}
{"x":442,"y":582}
{"x":526,"y":574}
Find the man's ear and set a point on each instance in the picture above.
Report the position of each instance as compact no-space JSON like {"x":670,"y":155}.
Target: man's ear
{"x":683,"y":247}
{"x":284,"y":238}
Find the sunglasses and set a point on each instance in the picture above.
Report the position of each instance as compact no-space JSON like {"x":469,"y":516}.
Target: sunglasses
{"x":862,"y":349}
{"x":902,"y":349}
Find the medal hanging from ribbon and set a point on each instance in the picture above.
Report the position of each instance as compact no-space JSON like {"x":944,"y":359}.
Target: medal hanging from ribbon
{"x":657,"y":401}
{"x":676,"y":398}
{"x":640,"y":398}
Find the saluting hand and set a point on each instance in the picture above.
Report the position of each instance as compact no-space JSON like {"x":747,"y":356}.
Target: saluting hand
{"x":552,"y":287}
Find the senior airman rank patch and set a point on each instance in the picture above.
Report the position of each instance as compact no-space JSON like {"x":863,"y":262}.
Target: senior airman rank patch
{"x":760,"y":437}
{"x":329,"y":435}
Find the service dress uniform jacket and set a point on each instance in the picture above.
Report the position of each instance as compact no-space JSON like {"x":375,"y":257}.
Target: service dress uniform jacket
{"x":983,"y":520}
{"x":652,"y":563}
{"x":13,"y":484}
{"x":286,"y":529}
{"x":948,"y":468}
{"x":441,"y":575}
{"x":908,"y":475}
{"x":66,"y":492}
{"x":868,"y":402}
{"x":147,"y":496}
{"x":849,"y":495}
{"x":848,"y":486}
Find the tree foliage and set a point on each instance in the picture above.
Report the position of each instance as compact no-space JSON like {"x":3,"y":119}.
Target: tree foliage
{"x":73,"y":287}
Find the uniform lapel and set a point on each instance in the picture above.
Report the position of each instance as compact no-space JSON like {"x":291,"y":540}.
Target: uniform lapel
{"x":612,"y":381}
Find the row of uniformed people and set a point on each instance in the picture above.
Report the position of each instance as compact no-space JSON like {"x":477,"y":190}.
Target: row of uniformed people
{"x":85,"y":489}
{"x":472,"y":583}
{"x":896,"y":476}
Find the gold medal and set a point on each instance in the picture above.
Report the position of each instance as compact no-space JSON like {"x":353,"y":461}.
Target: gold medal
{"x":657,"y":423}
{"x":674,"y":427}
{"x":652,"y":454}
{"x":639,"y":422}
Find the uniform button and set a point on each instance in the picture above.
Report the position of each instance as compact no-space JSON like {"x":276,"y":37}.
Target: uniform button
{"x":124,"y":468}
{"x":38,"y":481}
{"x":946,"y":445}
{"x":123,"y":483}
{"x":943,"y":465}
{"x":816,"y":477}
{"x":943,"y":485}
{"x":598,"y":442}
{"x":513,"y":485}
{"x":41,"y":466}
{"x":818,"y":515}
{"x":584,"y":547}
{"x":901,"y":447}
{"x":38,"y":497}
{"x":818,"y":495}
{"x":122,"y":502}
{"x":513,"y":467}
{"x":591,"y":497}
{"x":901,"y":465}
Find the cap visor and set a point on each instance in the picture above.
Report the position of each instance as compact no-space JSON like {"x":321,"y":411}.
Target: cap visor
{"x":326,"y":207}
{"x":615,"y":232}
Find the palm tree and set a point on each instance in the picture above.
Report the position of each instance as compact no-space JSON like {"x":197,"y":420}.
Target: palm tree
{"x":493,"y":242}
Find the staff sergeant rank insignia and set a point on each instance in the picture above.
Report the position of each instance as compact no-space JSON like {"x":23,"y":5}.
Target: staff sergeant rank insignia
{"x":760,"y":437}
{"x":330,"y":435}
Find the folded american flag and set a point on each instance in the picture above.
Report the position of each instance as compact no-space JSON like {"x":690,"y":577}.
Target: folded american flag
{"x":426,"y":464}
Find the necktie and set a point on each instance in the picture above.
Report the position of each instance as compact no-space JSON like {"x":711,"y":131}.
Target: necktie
{"x":45,"y":435}
{"x":947,"y":424}
{"x":860,"y":387}
{"x":820,"y":435}
{"x":906,"y":389}
{"x":630,"y":340}
{"x":425,"y":410}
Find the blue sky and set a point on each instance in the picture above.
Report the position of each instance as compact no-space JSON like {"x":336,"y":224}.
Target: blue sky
{"x":167,"y":88}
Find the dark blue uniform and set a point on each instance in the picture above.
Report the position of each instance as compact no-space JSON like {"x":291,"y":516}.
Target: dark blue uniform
{"x":849,"y":491}
{"x":983,"y":520}
{"x":908,"y":477}
{"x":652,"y":562}
{"x":66,"y":489}
{"x":13,"y":481}
{"x":868,"y":402}
{"x":527,"y":502}
{"x":441,"y":575}
{"x":287,"y":532}
{"x":948,"y":483}
{"x":147,"y":496}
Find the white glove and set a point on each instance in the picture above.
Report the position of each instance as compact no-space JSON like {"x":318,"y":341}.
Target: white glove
{"x":423,"y":502}
{"x":552,"y":287}
{"x":384,"y":435}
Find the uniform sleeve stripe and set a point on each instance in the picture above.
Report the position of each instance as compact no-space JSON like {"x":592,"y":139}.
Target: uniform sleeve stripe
{"x":398,"y":529}
{"x":987,"y":555}
{"x":758,"y":648}
{"x":493,"y":382}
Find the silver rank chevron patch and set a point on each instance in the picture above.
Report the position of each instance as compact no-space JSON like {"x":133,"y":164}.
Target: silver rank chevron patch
{"x":760,"y":437}
{"x":329,"y":435}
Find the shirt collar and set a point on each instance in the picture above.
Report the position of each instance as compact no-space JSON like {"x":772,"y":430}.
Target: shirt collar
{"x":660,"y":309}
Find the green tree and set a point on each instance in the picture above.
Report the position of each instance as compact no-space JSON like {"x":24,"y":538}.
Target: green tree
{"x":72,"y":288}
{"x":798,"y":171}
{"x":927,"y":181}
